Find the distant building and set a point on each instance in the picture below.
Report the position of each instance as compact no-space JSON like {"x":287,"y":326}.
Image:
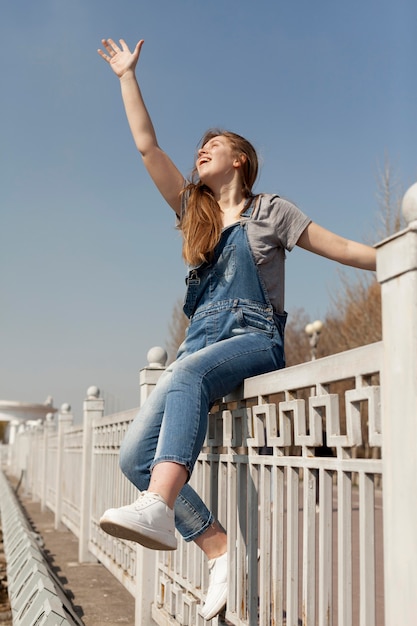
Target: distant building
{"x":15,"y":415}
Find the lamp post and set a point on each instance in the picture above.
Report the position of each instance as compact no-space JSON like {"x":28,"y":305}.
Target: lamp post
{"x":313,"y":331}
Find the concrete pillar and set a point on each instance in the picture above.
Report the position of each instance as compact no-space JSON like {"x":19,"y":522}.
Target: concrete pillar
{"x":11,"y":436}
{"x":397,"y":274}
{"x":149,"y":375}
{"x":47,"y":427}
{"x":64,"y":422}
{"x":93,"y":408}
{"x":146,"y":559}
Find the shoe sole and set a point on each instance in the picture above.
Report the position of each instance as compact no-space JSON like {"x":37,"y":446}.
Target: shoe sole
{"x":147,"y":538}
{"x":216,"y":609}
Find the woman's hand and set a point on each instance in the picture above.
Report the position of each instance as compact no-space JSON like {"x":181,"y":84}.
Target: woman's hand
{"x":167,"y":178}
{"x":120,"y":59}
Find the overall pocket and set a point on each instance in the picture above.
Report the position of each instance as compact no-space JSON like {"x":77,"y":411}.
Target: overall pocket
{"x":253,"y":321}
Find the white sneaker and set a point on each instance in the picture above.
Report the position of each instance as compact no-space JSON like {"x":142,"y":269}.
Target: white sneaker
{"x":217,"y":587}
{"x":148,"y":521}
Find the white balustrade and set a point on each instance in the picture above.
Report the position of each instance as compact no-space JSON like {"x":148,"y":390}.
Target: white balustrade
{"x":303,"y":524}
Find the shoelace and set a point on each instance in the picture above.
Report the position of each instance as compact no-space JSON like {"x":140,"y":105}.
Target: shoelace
{"x":143,"y":499}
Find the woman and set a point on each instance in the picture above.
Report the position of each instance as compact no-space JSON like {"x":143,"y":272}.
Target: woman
{"x":234,"y":243}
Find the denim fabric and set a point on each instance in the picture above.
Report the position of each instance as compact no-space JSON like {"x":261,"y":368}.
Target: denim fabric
{"x":229,"y":338}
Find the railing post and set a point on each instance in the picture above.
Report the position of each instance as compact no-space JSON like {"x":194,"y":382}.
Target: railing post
{"x":93,"y":408}
{"x":146,"y":559}
{"x":47,"y":427}
{"x":64,"y":422}
{"x":13,"y":426}
{"x":149,"y":375}
{"x":25,"y":452}
{"x":36,"y":462}
{"x":397,"y":273}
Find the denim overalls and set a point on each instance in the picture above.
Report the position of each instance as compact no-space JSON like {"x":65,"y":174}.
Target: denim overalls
{"x":233,"y":334}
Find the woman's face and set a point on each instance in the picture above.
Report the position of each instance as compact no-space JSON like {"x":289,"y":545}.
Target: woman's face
{"x":216,"y":158}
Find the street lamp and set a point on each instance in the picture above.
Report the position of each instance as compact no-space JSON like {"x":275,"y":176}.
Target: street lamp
{"x":313,"y":331}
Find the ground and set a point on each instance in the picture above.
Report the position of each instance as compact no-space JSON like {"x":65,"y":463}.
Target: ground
{"x":5,"y":611}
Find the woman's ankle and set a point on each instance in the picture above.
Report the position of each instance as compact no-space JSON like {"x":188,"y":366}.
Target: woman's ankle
{"x":213,"y":542}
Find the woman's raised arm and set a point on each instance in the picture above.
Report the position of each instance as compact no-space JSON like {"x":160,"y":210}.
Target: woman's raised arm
{"x":162,"y":170}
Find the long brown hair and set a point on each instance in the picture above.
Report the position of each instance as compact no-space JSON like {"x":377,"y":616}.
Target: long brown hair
{"x":201,"y":222}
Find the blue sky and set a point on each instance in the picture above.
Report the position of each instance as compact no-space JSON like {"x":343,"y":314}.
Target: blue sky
{"x":90,"y":260}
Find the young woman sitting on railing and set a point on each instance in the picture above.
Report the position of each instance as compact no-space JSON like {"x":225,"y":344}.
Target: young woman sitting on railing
{"x":234,"y":243}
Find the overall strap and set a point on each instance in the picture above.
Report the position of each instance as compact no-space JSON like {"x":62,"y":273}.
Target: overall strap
{"x":250,"y":206}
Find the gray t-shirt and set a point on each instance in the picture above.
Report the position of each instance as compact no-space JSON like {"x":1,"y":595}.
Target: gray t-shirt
{"x":275,"y":226}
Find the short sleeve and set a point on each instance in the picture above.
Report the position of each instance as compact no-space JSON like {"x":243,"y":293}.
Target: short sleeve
{"x":283,"y":219}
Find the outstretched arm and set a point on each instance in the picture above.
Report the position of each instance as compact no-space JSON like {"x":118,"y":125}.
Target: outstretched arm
{"x":162,"y":170}
{"x":325,"y":243}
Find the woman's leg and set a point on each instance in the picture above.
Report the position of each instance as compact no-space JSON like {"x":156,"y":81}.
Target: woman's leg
{"x":198,"y":380}
{"x":179,"y":407}
{"x":192,"y":517}
{"x":168,"y":479}
{"x":173,"y":421}
{"x":213,"y":542}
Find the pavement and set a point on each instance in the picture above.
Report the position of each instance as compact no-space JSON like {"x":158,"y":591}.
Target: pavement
{"x":97,"y":597}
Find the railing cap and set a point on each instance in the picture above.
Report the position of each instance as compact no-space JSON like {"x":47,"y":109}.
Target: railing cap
{"x":93,"y":392}
{"x":409,"y":204}
{"x":157,"y":357}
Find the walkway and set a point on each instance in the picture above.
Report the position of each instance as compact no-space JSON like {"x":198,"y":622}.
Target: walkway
{"x":98,"y":598}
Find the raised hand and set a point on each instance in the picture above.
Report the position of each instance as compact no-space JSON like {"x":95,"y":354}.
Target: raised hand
{"x":120,"y":58}
{"x":164,"y":173}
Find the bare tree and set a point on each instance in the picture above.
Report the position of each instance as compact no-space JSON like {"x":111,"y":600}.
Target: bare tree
{"x":389,"y":195}
{"x":355,"y":317}
{"x":355,"y":314}
{"x":177,"y":329}
{"x":297,"y":348}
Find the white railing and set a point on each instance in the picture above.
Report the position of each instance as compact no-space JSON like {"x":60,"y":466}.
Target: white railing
{"x":4,"y":455}
{"x":304,"y":529}
{"x":292,"y":516}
